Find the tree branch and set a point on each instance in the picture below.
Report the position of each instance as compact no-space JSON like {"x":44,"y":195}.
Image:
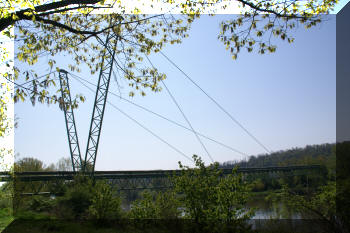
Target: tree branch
{"x":8,"y":21}
{"x":64,"y":3}
{"x":70,"y":9}
{"x":61,"y":25}
{"x":256,"y":7}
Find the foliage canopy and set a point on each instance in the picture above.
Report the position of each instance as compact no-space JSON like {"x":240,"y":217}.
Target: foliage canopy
{"x":77,"y":28}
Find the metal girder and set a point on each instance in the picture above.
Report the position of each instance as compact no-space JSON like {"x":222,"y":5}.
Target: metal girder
{"x":150,"y":174}
{"x":70,"y":122}
{"x":35,"y":183}
{"x":125,"y":184}
{"x":99,"y":108}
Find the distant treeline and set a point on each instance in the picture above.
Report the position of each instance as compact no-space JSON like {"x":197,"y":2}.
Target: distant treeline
{"x":323,"y":154}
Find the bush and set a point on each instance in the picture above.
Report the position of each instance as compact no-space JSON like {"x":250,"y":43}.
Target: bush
{"x":163,"y":205}
{"x":5,"y":197}
{"x":85,"y":199}
{"x":209,"y":196}
{"x":77,"y":199}
{"x":144,"y":208}
{"x":41,"y":204}
{"x":104,"y":203}
{"x":168,"y":205}
{"x":258,"y":185}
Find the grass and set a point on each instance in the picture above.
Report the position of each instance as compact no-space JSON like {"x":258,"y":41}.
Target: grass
{"x":71,"y":226}
{"x":49,"y":226}
{"x":134,"y":226}
{"x":5,"y":218}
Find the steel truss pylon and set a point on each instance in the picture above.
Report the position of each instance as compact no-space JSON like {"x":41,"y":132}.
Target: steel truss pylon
{"x":99,"y":106}
{"x":66,"y":105}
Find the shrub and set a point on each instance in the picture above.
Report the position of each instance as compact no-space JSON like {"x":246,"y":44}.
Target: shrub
{"x":41,"y":204}
{"x":85,"y":199}
{"x":167,"y":205}
{"x":144,"y":208}
{"x":5,"y":196}
{"x":258,"y":185}
{"x":104,"y":203}
{"x":77,"y":199}
{"x":209,"y":196}
{"x":163,"y":205}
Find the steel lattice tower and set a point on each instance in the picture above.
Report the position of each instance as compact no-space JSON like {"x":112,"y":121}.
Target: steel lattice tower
{"x":99,"y":106}
{"x":66,"y":105}
{"x":88,"y":164}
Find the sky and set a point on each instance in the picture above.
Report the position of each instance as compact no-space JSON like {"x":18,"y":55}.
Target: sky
{"x":285,"y":99}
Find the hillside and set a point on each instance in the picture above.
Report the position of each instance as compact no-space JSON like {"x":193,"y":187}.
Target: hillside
{"x":323,"y":154}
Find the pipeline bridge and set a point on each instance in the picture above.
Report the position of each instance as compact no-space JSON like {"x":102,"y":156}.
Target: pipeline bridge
{"x":40,"y":182}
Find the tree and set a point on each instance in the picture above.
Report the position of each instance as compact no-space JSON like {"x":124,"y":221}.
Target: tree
{"x":5,"y":207}
{"x":5,"y":124}
{"x":77,"y":198}
{"x":105,"y":205}
{"x":321,"y":205}
{"x":207,"y":196}
{"x":64,"y":164}
{"x":18,"y":187}
{"x":29,"y":164}
{"x":144,"y":208}
{"x":343,"y":183}
{"x":161,"y":205}
{"x":47,"y":29}
{"x":202,"y":195}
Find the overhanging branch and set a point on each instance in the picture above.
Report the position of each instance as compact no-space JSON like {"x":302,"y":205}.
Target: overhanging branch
{"x":20,"y":15}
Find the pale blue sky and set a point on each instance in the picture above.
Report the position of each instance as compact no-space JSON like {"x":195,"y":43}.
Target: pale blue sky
{"x":285,"y":99}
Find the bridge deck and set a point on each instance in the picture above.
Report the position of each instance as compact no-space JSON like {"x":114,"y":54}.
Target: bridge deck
{"x":139,"y":174}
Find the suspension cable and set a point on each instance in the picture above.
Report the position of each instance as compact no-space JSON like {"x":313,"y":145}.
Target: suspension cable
{"x":183,"y":114}
{"x":161,"y":116}
{"x":142,"y":126}
{"x":217,"y":104}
